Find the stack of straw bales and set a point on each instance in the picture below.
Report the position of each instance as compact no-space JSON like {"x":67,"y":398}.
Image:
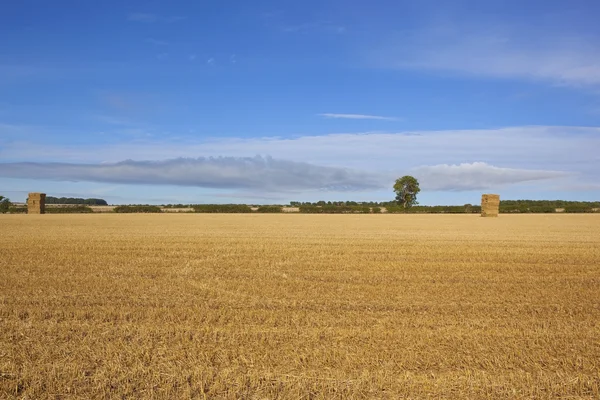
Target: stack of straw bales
{"x":36,"y":203}
{"x":490,"y":205}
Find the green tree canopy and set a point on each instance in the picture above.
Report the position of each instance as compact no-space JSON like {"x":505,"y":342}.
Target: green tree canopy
{"x":76,"y":200}
{"x":406,"y":189}
{"x":4,"y":204}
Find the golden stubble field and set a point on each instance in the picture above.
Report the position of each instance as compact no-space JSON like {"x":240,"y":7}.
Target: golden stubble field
{"x":299,"y":306}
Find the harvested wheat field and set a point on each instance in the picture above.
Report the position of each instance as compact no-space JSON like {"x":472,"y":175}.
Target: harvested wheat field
{"x":299,"y":306}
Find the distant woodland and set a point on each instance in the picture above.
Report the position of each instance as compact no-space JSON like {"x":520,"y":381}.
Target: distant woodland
{"x":75,"y":200}
{"x":79,"y":205}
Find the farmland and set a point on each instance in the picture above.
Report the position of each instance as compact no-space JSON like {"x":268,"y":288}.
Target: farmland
{"x":299,"y":306}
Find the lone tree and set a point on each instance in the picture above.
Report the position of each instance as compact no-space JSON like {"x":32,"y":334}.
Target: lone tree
{"x":4,"y":204}
{"x":406,"y":189}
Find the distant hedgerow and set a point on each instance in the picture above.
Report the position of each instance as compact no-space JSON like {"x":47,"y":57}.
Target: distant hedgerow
{"x":269,"y":209}
{"x":222,"y":208}
{"x":69,"y":210}
{"x":137,"y":209}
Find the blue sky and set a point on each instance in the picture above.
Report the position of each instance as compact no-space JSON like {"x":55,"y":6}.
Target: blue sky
{"x":272,"y":101}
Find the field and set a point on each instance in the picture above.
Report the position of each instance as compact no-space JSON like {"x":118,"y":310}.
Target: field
{"x":299,"y":306}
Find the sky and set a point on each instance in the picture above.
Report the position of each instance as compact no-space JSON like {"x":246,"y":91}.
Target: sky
{"x":267,"y":102}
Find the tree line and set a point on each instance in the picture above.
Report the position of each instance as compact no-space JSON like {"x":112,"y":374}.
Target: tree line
{"x":75,"y":200}
{"x":506,"y":206}
{"x":406,"y":189}
{"x":80,"y":205}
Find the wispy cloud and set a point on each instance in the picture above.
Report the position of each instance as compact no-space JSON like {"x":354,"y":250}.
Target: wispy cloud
{"x":594,"y":110}
{"x":274,"y":175}
{"x":498,"y":52}
{"x":317,"y":26}
{"x":477,"y":176}
{"x":546,"y":152}
{"x":278,"y":20}
{"x":150,"y":18}
{"x":142,"y":17}
{"x":249,"y":173}
{"x":157,"y":42}
{"x":174,"y":18}
{"x":357,"y":116}
{"x":531,"y":147}
{"x":579,"y":187}
{"x":11,"y":73}
{"x":110,"y":120}
{"x":130,"y":103}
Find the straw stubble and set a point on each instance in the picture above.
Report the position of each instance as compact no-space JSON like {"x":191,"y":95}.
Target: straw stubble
{"x":299,"y":306}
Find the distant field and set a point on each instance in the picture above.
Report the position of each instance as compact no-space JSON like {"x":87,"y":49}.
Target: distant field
{"x":299,"y":306}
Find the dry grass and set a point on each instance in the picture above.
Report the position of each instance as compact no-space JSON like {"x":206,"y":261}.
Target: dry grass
{"x":299,"y":306}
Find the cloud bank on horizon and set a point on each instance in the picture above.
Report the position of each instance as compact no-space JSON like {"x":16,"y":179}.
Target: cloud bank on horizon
{"x":308,"y":102}
{"x":248,"y":173}
{"x":272,"y":175}
{"x":328,"y":164}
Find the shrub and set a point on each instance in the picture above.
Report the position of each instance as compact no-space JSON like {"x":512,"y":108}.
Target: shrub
{"x":69,"y":210}
{"x":542,"y":209}
{"x":71,"y":200}
{"x":465,"y":209}
{"x":269,"y":209}
{"x":311,"y":210}
{"x":5,"y":204}
{"x":222,"y":208}
{"x":137,"y":209}
{"x":335,"y":209}
{"x":578,"y":209}
{"x":395,"y":209}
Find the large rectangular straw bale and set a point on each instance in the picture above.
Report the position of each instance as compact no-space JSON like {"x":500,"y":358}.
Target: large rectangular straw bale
{"x":490,"y":205}
{"x":36,"y":203}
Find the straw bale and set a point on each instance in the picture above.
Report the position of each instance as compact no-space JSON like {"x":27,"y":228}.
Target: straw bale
{"x":36,"y":203}
{"x":490,"y":205}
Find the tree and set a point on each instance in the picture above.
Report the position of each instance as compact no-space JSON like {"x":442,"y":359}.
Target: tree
{"x":4,"y":204}
{"x":406,"y":189}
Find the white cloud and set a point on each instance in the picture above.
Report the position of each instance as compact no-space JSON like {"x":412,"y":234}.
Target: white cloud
{"x":595,"y":110}
{"x":541,"y":150}
{"x":357,"y":116}
{"x":157,"y":42}
{"x":477,"y":176}
{"x":174,"y":18}
{"x":496,"y":52}
{"x":151,"y":18}
{"x":326,"y":27}
{"x":249,"y":173}
{"x":142,"y":17}
{"x":273,"y":175}
{"x":530,"y":147}
{"x":110,"y":120}
{"x":591,"y":187}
